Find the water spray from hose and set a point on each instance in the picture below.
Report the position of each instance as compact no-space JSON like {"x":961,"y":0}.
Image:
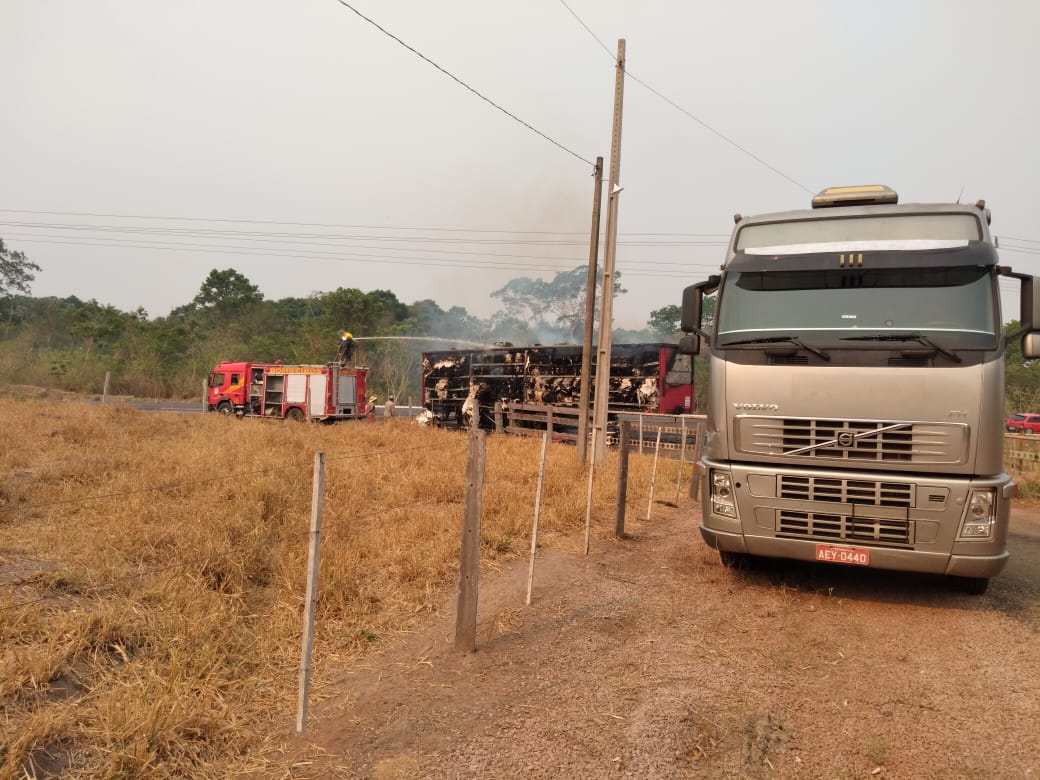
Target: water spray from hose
{"x":424,"y":338}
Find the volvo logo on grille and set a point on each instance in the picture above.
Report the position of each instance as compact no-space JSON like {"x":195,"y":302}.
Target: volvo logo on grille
{"x":748,"y":407}
{"x":846,"y":439}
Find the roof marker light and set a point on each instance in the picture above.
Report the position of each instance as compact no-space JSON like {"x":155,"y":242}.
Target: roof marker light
{"x":863,"y":195}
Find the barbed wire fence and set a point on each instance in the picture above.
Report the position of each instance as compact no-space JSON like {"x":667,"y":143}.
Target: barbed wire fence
{"x":471,"y":503}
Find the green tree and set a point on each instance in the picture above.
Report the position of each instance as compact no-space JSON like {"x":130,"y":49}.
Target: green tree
{"x":363,"y":314}
{"x":17,"y":272}
{"x":226,"y":293}
{"x":664,"y":322}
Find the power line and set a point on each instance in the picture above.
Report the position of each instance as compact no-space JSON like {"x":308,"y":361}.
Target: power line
{"x":606,"y":48}
{"x":682,"y":110}
{"x":262,"y":252}
{"x":338,"y":225}
{"x":144,"y":243}
{"x":644,"y":268}
{"x":464,"y":84}
{"x":254,"y":235}
{"x":1022,"y":250}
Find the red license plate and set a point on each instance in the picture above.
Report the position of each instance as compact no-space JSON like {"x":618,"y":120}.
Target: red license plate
{"x":835,"y":553}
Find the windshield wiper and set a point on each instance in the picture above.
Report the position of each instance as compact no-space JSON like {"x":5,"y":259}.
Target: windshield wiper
{"x":781,"y":340}
{"x":920,"y":338}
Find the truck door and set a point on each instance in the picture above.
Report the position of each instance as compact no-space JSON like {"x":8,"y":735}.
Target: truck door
{"x":295,"y":388}
{"x":316,"y":403}
{"x":346,"y":394}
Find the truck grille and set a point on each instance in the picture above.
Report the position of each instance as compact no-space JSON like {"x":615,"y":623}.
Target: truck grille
{"x":827,"y":527}
{"x":853,"y":440}
{"x":846,"y":491}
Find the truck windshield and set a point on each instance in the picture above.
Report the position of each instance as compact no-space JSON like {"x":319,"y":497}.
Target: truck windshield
{"x":955,"y":304}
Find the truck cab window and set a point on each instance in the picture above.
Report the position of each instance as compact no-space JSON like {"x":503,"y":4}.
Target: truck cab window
{"x":957,"y":300}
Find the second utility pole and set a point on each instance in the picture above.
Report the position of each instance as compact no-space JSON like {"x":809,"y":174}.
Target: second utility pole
{"x":606,"y":309}
{"x":585,"y":395}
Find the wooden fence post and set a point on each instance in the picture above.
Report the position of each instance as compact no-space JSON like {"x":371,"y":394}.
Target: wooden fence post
{"x":311,"y":602}
{"x":588,"y":498}
{"x":469,"y":558}
{"x":104,"y":391}
{"x":622,"y":484}
{"x":537,"y":514}
{"x":499,"y":425}
{"x":205,"y":395}
{"x":682,"y":458}
{"x":653,"y":475}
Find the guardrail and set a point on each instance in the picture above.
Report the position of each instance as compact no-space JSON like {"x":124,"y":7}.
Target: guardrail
{"x":1021,"y":453}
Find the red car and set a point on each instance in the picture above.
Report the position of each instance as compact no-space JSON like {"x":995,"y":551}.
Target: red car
{"x":1023,"y":422}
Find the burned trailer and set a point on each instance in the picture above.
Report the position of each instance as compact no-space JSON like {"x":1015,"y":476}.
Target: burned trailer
{"x":643,"y":378}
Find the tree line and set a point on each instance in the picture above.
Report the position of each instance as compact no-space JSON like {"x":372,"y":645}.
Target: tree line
{"x":71,"y":344}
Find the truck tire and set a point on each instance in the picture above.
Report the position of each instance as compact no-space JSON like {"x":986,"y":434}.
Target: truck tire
{"x":733,"y":560}
{"x":225,"y":408}
{"x":974,"y":586}
{"x":295,"y":414}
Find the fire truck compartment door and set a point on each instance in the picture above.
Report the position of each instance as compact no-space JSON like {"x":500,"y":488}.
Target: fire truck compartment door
{"x":317,"y":400}
{"x":295,"y":388}
{"x":346,"y":392}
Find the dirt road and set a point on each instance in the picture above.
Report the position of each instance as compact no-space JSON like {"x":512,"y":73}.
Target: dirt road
{"x":648,"y":659}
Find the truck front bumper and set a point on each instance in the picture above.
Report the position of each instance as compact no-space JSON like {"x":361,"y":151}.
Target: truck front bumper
{"x":880,"y":558}
{"x":932,"y":545}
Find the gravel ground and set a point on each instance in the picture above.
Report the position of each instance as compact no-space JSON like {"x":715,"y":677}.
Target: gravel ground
{"x":648,"y":659}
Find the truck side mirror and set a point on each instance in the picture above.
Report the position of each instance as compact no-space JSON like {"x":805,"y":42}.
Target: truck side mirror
{"x":690,"y":322}
{"x":1031,"y":346}
{"x":689,"y":344}
{"x":1030,"y":304}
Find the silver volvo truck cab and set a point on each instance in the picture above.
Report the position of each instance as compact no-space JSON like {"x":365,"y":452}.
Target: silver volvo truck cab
{"x":856,"y":401}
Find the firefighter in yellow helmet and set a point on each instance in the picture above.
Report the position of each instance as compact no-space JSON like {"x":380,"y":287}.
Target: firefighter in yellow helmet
{"x":346,"y":348}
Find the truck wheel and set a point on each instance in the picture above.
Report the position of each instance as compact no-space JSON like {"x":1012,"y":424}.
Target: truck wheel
{"x":733,"y":560}
{"x":225,"y":408}
{"x":974,"y":586}
{"x":1027,"y":431}
{"x":295,"y":414}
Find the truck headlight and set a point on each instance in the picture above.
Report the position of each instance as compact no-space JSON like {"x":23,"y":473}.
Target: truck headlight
{"x":979,"y":520}
{"x":722,"y":501}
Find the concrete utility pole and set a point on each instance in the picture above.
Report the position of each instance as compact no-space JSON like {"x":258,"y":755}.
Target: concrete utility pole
{"x":606,"y":309}
{"x":590,"y":313}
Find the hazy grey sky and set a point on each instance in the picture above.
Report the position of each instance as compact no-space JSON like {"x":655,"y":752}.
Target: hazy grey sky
{"x":300,"y":112}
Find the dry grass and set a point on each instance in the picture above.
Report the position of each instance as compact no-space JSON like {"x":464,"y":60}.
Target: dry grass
{"x":152,"y":570}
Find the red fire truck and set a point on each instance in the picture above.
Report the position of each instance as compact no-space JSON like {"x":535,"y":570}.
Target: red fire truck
{"x":316,"y":392}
